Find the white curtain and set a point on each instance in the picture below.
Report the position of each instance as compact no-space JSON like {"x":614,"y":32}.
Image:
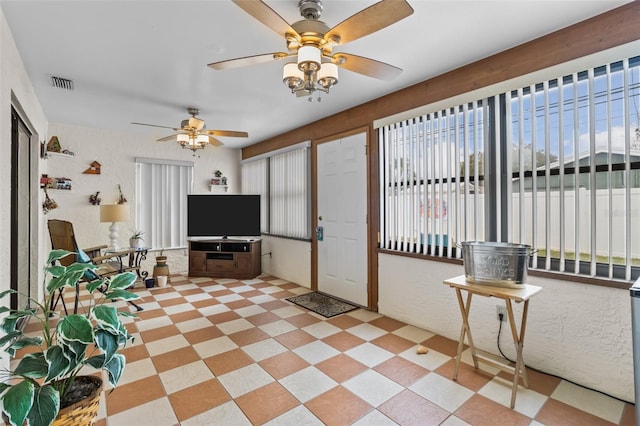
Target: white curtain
{"x":161,"y":201}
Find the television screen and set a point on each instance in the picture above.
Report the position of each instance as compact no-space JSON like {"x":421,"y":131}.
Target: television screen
{"x":220,"y":216}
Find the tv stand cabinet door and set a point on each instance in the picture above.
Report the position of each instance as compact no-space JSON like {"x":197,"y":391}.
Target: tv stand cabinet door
{"x":197,"y":262}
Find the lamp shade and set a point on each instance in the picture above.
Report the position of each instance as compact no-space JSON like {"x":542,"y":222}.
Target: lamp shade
{"x":114,"y":212}
{"x":309,"y":58}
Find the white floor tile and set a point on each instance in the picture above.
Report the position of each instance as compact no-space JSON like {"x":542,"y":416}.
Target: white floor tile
{"x":366,"y":331}
{"x":156,"y":412}
{"x":441,"y":391}
{"x":315,"y":352}
{"x":375,"y":418}
{"x":248,"y":311}
{"x":277,"y":328}
{"x":308,"y":383}
{"x":592,"y":402}
{"x":194,"y":324}
{"x":431,"y":360}
{"x":373,"y":387}
{"x":225,"y":414}
{"x":296,"y":417}
{"x":528,"y":402}
{"x":234,"y":326}
{"x":369,"y":354}
{"x":137,"y":370}
{"x":214,"y":347}
{"x":264,"y":349}
{"x":321,"y":329}
{"x":185,"y":376}
{"x":245,"y":379}
{"x":413,"y":334}
{"x":169,"y":344}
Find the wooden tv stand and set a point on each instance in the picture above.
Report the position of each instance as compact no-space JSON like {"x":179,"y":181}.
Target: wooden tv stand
{"x":223,"y":258}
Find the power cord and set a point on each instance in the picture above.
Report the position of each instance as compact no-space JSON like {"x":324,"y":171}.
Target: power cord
{"x":501,"y":316}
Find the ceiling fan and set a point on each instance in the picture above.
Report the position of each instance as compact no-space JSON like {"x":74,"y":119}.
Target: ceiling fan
{"x":192,"y":133}
{"x":312,"y":42}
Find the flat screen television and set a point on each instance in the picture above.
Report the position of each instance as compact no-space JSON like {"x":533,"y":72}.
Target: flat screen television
{"x":223,"y":216}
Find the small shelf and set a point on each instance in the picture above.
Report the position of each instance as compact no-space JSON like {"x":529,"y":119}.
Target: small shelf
{"x":218,"y":188}
{"x":50,"y":154}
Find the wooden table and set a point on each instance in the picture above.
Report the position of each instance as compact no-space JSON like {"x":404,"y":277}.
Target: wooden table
{"x":509,"y":295}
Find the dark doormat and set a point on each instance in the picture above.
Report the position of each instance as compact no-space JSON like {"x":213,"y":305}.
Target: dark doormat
{"x":322,"y":304}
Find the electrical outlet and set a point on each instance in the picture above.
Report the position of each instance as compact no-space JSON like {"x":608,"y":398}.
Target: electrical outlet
{"x":501,"y":310}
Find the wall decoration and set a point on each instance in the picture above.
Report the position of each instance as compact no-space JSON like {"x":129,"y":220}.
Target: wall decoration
{"x":121,"y":199}
{"x":94,"y":199}
{"x":54,"y":145}
{"x":94,"y":168}
{"x":55,"y":183}
{"x":49,"y":203}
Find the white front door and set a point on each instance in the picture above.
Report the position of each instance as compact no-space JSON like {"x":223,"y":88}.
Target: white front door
{"x":342,"y":216}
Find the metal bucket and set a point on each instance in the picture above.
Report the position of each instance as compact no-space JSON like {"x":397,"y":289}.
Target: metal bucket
{"x":497,"y":264}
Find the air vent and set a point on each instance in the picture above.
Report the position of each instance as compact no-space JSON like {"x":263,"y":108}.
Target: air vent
{"x":61,"y":83}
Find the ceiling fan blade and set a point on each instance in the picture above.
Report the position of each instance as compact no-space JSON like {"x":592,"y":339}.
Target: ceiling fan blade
{"x":230,"y":133}
{"x":366,"y":66}
{"x":168,"y":138}
{"x":370,"y":20}
{"x":248,"y":60}
{"x":269,"y":17}
{"x":215,"y":142}
{"x":155,"y":125}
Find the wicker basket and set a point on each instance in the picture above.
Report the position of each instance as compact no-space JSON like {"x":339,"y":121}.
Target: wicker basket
{"x":84,"y":412}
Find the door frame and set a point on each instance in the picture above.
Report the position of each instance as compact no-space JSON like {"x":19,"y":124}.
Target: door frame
{"x":372,"y":209}
{"x":34,"y":153}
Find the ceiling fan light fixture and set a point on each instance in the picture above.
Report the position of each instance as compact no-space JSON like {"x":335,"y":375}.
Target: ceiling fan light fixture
{"x":309,"y":58}
{"x":202,"y":140}
{"x":292,"y":76}
{"x":196,"y":123}
{"x":328,"y":75}
{"x":182,"y":139}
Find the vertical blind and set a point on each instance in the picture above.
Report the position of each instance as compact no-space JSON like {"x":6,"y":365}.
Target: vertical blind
{"x":282,"y":178}
{"x":255,"y":180}
{"x":432,"y":171}
{"x":289,"y":183}
{"x":555,"y":165}
{"x":161,"y":201}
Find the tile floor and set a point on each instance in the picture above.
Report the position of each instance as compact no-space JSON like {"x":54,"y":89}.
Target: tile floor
{"x":227,"y":352}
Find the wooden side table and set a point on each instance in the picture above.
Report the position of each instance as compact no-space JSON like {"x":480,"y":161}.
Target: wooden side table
{"x":509,"y":295}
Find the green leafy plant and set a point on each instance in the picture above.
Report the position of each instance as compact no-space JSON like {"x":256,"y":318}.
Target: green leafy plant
{"x":136,"y":235}
{"x":34,"y":388}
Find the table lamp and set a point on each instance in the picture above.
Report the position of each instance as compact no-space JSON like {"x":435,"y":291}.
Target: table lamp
{"x":114,"y":213}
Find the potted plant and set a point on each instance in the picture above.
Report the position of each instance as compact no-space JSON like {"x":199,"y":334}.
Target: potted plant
{"x":135,"y":240}
{"x":46,"y":379}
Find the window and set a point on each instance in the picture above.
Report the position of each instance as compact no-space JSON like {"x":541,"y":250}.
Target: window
{"x":575,"y":170}
{"x":161,"y":201}
{"x":432,"y":174}
{"x":282,"y":178}
{"x":555,"y":165}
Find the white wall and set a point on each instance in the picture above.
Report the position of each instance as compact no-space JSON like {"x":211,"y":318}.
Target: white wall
{"x":289,"y":259}
{"x":14,"y":82}
{"x":577,"y":331}
{"x":116,"y":152}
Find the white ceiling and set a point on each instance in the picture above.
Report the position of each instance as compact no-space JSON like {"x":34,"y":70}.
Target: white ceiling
{"x":145,"y":61}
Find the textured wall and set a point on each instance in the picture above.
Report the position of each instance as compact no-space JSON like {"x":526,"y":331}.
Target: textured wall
{"x":289,"y":260}
{"x":577,"y":331}
{"x":117,"y":152}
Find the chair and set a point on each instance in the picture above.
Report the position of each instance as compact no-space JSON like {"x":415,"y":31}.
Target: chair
{"x":63,"y":238}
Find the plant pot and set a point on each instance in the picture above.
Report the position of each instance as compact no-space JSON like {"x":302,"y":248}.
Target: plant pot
{"x":82,"y":412}
{"x":85,"y":411}
{"x":135,"y":242}
{"x":162,"y":280}
{"x":149,"y":282}
{"x":161,"y":260}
